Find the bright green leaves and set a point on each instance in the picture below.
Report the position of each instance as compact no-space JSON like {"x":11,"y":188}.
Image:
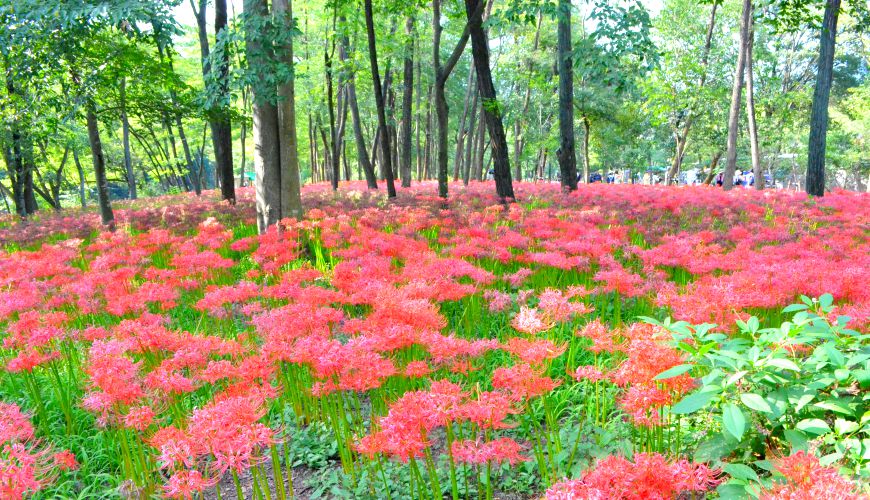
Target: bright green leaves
{"x":692,"y":403}
{"x":733,"y":420}
{"x":756,"y":402}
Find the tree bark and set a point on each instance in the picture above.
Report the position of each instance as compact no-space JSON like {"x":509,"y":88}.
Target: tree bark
{"x":462,"y":129}
{"x":736,"y":92}
{"x":567,"y":152}
{"x":519,"y":139}
{"x":489,"y":102}
{"x":288,"y":165}
{"x":379,"y":99}
{"x":815,"y":183}
{"x":81,"y":172}
{"x":758,"y":173}
{"x":439,"y":92}
{"x":106,"y":214}
{"x":125,"y":139}
{"x":586,"y":127}
{"x":361,"y":149}
{"x":407,"y":101}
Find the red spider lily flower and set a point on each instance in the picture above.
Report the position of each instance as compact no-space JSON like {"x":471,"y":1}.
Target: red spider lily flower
{"x":557,"y":308}
{"x":185,"y":483}
{"x":807,"y":479}
{"x":139,"y":418}
{"x":417,"y":369}
{"x":588,"y":372}
{"x":602,"y":337}
{"x":529,"y":321}
{"x":649,"y":475}
{"x":501,"y":450}
{"x":65,"y":460}
{"x":522,"y":381}
{"x":21,"y":472}
{"x":15,"y":426}
{"x":642,"y":403}
{"x":498,"y":301}
{"x":534,"y":352}
{"x":648,"y":358}
{"x":489,"y":410}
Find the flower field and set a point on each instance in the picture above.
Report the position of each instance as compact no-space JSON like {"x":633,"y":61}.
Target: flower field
{"x":624,"y":341}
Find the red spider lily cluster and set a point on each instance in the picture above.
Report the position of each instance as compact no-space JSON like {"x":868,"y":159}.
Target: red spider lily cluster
{"x":186,"y":336}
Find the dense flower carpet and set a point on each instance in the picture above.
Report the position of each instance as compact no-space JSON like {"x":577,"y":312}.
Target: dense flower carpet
{"x":620,"y":342}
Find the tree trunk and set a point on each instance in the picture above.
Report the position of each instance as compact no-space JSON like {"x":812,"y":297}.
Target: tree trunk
{"x":82,"y":194}
{"x":407,"y":101}
{"x":106,"y":214}
{"x":737,"y":89}
{"x":586,"y":126}
{"x":221,"y":128}
{"x":462,"y":129}
{"x":713,"y":164}
{"x":125,"y":139}
{"x":379,"y":99}
{"x":489,"y":102}
{"x":267,"y":164}
{"x":815,"y":183}
{"x":288,"y":167}
{"x":243,"y":136}
{"x":519,"y":139}
{"x":758,"y":173}
{"x":439,"y":93}
{"x":361,"y":151}
{"x":472,"y":127}
{"x":567,"y":152}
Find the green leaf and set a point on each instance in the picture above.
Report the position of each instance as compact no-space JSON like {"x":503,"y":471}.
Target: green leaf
{"x":674,"y":371}
{"x":785,"y":364}
{"x":834,"y":355}
{"x":714,"y":448}
{"x":842,"y":426}
{"x":756,"y":402}
{"x":692,"y":403}
{"x":815,"y":426}
{"x":734,"y":420}
{"x":740,"y":471}
{"x":826,"y":300}
{"x":794,"y":307}
{"x":797,"y":440}
{"x":835,"y":406}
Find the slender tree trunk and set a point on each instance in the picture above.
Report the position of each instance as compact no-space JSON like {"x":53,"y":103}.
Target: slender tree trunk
{"x":815,"y":183}
{"x":82,"y":195}
{"x":461,"y":130}
{"x":439,"y":92}
{"x":714,"y":162}
{"x":472,"y":130}
{"x":418,"y":112}
{"x":519,"y":139}
{"x":681,"y":137}
{"x":567,"y":152}
{"x":361,"y":150}
{"x":288,"y":166}
{"x":379,"y":99}
{"x":737,"y":89}
{"x":125,"y":134}
{"x":758,"y":173}
{"x":586,"y":127}
{"x":491,"y":107}
{"x":106,"y":214}
{"x":427,"y":156}
{"x":407,"y":102}
{"x":243,"y":139}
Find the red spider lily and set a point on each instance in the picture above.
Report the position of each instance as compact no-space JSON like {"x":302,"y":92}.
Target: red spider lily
{"x":522,"y":381}
{"x":649,"y":475}
{"x":501,"y":450}
{"x":602,"y":337}
{"x":15,"y":426}
{"x":806,"y":478}
{"x":185,"y":483}
{"x":534,"y":352}
{"x":588,"y":372}
{"x":530,"y":321}
{"x":65,"y":460}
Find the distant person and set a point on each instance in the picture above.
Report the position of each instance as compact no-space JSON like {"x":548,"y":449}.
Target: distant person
{"x":720,"y":179}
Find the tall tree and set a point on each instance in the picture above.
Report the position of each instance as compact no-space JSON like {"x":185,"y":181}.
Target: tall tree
{"x":736,"y":94}
{"x":491,"y":108}
{"x":407,"y":102}
{"x":379,"y":101}
{"x":218,"y":89}
{"x":815,"y":184}
{"x":567,"y":152}
{"x":439,"y":95}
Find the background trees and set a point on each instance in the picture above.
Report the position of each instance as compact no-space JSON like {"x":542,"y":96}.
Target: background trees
{"x":172,"y":88}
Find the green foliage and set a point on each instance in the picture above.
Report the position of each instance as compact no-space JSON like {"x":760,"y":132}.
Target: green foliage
{"x":782,"y":389}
